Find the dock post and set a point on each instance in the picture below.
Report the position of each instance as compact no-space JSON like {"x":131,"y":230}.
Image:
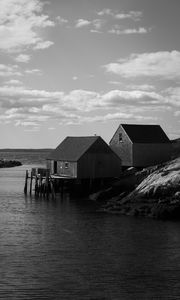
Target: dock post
{"x":40,"y":185}
{"x":36,"y":185}
{"x":30,"y":189}
{"x":52,"y":189}
{"x":47,"y":184}
{"x":26,"y":182}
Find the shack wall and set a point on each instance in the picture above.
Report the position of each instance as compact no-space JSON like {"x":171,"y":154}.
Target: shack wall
{"x":122,"y":146}
{"x":63,"y":168}
{"x":99,"y":165}
{"x":150,"y":154}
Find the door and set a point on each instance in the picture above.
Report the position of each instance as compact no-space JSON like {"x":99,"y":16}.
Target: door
{"x":55,"y":167}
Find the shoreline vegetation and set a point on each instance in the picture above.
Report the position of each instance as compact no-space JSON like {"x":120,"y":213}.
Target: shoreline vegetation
{"x":9,"y":163}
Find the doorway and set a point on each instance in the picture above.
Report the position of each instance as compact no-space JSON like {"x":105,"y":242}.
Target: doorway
{"x":55,"y":167}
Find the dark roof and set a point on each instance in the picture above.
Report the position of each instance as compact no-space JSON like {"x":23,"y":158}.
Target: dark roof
{"x":72,"y":148}
{"x":145,"y":133}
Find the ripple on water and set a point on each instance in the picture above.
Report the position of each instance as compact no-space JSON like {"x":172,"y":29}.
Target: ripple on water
{"x":64,"y":249}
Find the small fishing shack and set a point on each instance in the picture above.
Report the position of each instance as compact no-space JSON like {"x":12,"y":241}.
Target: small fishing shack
{"x":141,"y":145}
{"x":88,"y":157}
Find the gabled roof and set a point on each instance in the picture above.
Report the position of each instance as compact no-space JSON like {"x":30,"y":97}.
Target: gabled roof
{"x":145,"y":133}
{"x":72,"y":148}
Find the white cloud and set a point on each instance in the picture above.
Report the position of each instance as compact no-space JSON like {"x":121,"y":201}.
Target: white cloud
{"x":43,"y":45}
{"x":114,"y":116}
{"x":21,"y":106}
{"x":24,"y":58}
{"x":177,"y":113}
{"x":105,"y":11}
{"x":173,"y":95}
{"x":136,"y":97}
{"x":162,"y":64}
{"x":26,"y":123}
{"x":51,"y":128}
{"x":33,"y":71}
{"x":142,"y":87}
{"x":140,"y":30}
{"x":9,"y":70}
{"x":134,"y":15}
{"x":21,"y":22}
{"x":95,"y":24}
{"x":82,"y":23}
{"x":13,"y":82}
{"x":61,"y":20}
{"x":95,"y":31}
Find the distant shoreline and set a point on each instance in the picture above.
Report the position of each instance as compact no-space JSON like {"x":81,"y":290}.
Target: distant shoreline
{"x":25,"y":149}
{"x":9,"y":163}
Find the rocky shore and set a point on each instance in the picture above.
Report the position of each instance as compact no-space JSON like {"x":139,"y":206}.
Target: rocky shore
{"x":153,"y":192}
{"x":9,"y":163}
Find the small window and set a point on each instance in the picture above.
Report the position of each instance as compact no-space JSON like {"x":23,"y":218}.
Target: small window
{"x":66,"y":165}
{"x":120,"y":137}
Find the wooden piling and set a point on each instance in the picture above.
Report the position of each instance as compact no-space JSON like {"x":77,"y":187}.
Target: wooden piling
{"x":47,"y":184}
{"x":40,"y":185}
{"x":26,"y":183}
{"x":36,"y":186}
{"x":31,"y":179}
{"x":52,"y":189}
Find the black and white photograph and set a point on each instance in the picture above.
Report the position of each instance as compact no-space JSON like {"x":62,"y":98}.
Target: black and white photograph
{"x":89,"y":150}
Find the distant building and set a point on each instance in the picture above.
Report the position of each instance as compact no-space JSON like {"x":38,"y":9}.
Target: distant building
{"x":141,"y":145}
{"x":84,"y":157}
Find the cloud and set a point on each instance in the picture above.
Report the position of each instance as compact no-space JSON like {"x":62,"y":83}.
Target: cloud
{"x":142,"y":87}
{"x":9,"y":70}
{"x":162,"y":64}
{"x":61,"y":20}
{"x":105,"y":11}
{"x":134,"y":15}
{"x":24,"y":107}
{"x":33,"y":71}
{"x":140,"y":30}
{"x":82,"y":23}
{"x":24,"y":58}
{"x":13,"y":82}
{"x":136,"y":97}
{"x":114,"y":116}
{"x":173,"y":95}
{"x":21,"y":24}
{"x":76,"y":100}
{"x":42,"y":45}
{"x":95,"y":24}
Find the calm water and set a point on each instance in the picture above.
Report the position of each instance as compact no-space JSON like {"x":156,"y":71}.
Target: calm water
{"x":64,"y":249}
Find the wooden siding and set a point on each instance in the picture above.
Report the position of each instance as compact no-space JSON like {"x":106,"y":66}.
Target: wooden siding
{"x":62,"y":168}
{"x":122,"y":148}
{"x":99,"y":165}
{"x":150,"y":154}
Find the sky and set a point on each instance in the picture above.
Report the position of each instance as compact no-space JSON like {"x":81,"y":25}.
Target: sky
{"x":82,"y":67}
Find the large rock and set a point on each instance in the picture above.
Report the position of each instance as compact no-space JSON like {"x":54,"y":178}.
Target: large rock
{"x":157,"y":196}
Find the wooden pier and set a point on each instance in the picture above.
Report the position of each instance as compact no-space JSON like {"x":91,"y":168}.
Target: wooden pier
{"x":43,"y":184}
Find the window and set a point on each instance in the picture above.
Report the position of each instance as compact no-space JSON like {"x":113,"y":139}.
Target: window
{"x":66,"y":165}
{"x":120,"y":137}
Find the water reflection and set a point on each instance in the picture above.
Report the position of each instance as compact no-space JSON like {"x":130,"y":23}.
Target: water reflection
{"x":64,"y":249}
